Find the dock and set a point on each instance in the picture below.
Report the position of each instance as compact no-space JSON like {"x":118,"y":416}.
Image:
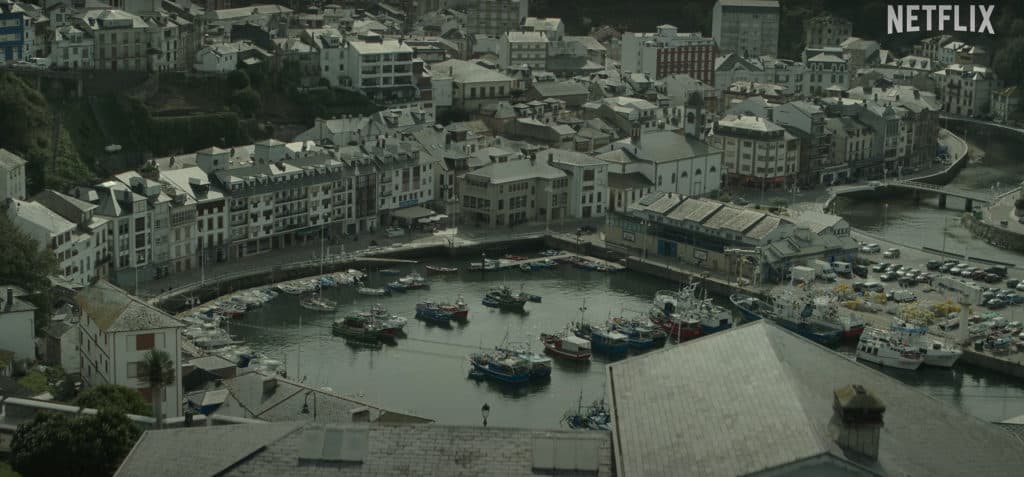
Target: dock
{"x":505,"y":263}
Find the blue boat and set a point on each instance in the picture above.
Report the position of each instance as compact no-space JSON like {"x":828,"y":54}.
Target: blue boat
{"x":641,"y":337}
{"x":751,"y":308}
{"x":540,"y":365}
{"x":500,"y":367}
{"x":790,"y":310}
{"x":609,"y":342}
{"x":433,"y":313}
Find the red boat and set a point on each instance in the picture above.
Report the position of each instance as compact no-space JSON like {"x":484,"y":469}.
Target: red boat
{"x":566,"y":346}
{"x":679,"y":329}
{"x":459,"y":310}
{"x":516,"y":257}
{"x":433,"y":269}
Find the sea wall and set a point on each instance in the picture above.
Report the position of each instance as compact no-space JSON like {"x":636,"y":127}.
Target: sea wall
{"x":994,"y":234}
{"x":993,"y":363}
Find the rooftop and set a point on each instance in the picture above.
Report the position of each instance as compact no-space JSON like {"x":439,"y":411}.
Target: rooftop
{"x":10,"y":160}
{"x":113,"y":309}
{"x":751,"y":123}
{"x":518,"y":170}
{"x":780,"y":397}
{"x":37,"y":215}
{"x":467,"y":72}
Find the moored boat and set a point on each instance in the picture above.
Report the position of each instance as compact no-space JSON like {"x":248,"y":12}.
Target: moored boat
{"x":525,"y":267}
{"x":566,"y":346}
{"x":433,"y":313}
{"x":611,"y":343}
{"x":499,"y":367}
{"x":593,"y":417}
{"x":751,"y":308}
{"x":641,"y":337}
{"x":390,"y":271}
{"x":367,"y":291}
{"x":439,"y":269}
{"x":459,"y":310}
{"x":356,"y":327}
{"x":876,"y":346}
{"x":540,"y":365}
{"x":936,"y":351}
{"x":504,"y":299}
{"x":318,"y":303}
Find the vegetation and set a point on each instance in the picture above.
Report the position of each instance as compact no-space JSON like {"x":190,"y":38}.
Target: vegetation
{"x":157,"y":370}
{"x":1019,"y":203}
{"x":28,"y":131}
{"x":52,"y":380}
{"x":7,"y":471}
{"x":114,"y":398}
{"x":330,"y":103}
{"x":34,"y":381}
{"x":27,"y":265}
{"x":79,"y":445}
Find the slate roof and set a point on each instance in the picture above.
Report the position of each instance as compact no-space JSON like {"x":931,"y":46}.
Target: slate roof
{"x":39,"y":216}
{"x":274,"y":450}
{"x":467,"y":72}
{"x":633,"y":180}
{"x":18,"y":304}
{"x":758,"y":397}
{"x":113,"y":309}
{"x":549,"y":89}
{"x":518,"y":170}
{"x":10,"y":160}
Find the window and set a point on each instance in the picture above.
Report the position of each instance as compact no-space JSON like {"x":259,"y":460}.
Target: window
{"x":144,"y":342}
{"x":133,"y":369}
{"x":588,"y":175}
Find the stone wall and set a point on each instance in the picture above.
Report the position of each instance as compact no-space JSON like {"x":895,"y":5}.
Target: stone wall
{"x":994,"y":234}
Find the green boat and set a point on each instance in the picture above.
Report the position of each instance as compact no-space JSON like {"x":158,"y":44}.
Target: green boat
{"x":355,"y":327}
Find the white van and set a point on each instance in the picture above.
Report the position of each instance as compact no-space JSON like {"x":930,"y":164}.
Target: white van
{"x":903,"y":296}
{"x":393,"y":232}
{"x":843,"y":269}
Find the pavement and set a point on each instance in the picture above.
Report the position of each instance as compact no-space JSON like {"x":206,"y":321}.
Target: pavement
{"x":1003,"y":209}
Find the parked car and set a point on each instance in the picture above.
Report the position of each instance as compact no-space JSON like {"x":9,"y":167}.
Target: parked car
{"x":992,"y":278}
{"x":955,"y":271}
{"x":997,"y":269}
{"x":1020,"y":286}
{"x":860,"y":271}
{"x":978,"y":275}
{"x":888,"y":276}
{"x":933,"y":265}
{"x":879,"y":267}
{"x":947,"y":267}
{"x":871,"y":248}
{"x":859,"y":287}
{"x":891,"y":253}
{"x":995,"y":304}
{"x":907,"y":280}
{"x":1012,"y":283}
{"x":966,"y":273}
{"x":738,"y":200}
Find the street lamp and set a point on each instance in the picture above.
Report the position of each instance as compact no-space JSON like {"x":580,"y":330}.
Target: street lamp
{"x":485,"y":411}
{"x":483,"y":263}
{"x":885,"y":216}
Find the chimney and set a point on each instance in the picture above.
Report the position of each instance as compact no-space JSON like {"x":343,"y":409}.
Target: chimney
{"x":857,"y":420}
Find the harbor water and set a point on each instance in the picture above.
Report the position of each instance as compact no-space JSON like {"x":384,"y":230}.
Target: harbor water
{"x":426,"y":372}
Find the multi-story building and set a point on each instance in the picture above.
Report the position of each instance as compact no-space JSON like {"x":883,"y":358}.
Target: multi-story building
{"x":74,"y":249}
{"x":514,"y":192}
{"x":495,"y":17}
{"x":826,"y":30}
{"x":518,"y":48}
{"x":746,"y":27}
{"x":72,"y":48}
{"x":17,"y":324}
{"x":849,"y":148}
{"x":660,"y":161}
{"x":699,"y":100}
{"x":588,"y":181}
{"x":757,"y":152}
{"x":826,"y":71}
{"x":405,"y":177}
{"x":121,"y":39}
{"x":630,"y":116}
{"x":93,"y":237}
{"x":965,"y":89}
{"x":381,"y":68}
{"x":116,"y":331}
{"x":1004,"y":103}
{"x":860,"y":53}
{"x":131,"y":221}
{"x":329,"y":46}
{"x":12,"y":176}
{"x":212,"y":233}
{"x":553,"y":28}
{"x":472,"y":85}
{"x":958,"y":52}
{"x":916,"y":115}
{"x":13,"y":26}
{"x":932,"y":46}
{"x":806,"y":121}
{"x":667,"y":52}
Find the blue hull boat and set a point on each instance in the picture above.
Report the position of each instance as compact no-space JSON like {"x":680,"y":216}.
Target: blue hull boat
{"x":508,"y":370}
{"x":609,"y":342}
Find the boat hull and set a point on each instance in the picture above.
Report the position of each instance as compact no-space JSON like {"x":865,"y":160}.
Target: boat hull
{"x":505,"y":378}
{"x":941,"y":360}
{"x":891,"y":362}
{"x":560,"y":353}
{"x":708,"y":329}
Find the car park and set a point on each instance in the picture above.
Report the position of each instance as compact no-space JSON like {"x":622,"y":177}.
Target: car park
{"x":1012,"y":283}
{"x":933,"y":265}
{"x":880,"y":267}
{"x":888,"y":276}
{"x":891,"y":253}
{"x":871,"y":248}
{"x":995,"y":304}
{"x":992,"y":278}
{"x":997,"y":269}
{"x":907,"y":280}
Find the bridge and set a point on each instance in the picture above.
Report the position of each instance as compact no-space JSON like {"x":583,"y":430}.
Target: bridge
{"x":918,"y":188}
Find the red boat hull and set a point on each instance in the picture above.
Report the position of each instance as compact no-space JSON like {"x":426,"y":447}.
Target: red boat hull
{"x":679,"y":333}
{"x":853,"y":333}
{"x":553,"y":349}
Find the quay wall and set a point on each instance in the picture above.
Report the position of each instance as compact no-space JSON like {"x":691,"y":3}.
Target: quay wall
{"x":992,"y":363}
{"x":994,"y":234}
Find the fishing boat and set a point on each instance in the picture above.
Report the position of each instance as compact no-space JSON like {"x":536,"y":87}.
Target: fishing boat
{"x":437,"y":269}
{"x":291,"y":289}
{"x":413,"y":281}
{"x":500,"y":367}
{"x":432,"y":313}
{"x":609,"y":342}
{"x":827,"y":308}
{"x":525,"y":267}
{"x":596,"y":416}
{"x":696,"y":305}
{"x":504,"y":299}
{"x":550,"y":253}
{"x":791,"y":309}
{"x":390,"y":271}
{"x":566,"y":346}
{"x":373,"y":291}
{"x":459,"y":310}
{"x":540,"y":365}
{"x":751,"y":308}
{"x":641,"y":336}
{"x":318,"y":303}
{"x":515,"y":258}
{"x":679,"y":327}
{"x":389,"y":325}
{"x":356,"y":327}
{"x":531,"y":297}
{"x":546,"y":264}
{"x":876,"y":346}
{"x":936,"y":351}
{"x":488,"y":264}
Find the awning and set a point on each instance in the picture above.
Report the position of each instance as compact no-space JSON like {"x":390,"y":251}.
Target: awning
{"x":412,"y":213}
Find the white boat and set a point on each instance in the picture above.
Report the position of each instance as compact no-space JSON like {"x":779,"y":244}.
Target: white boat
{"x":879,"y":347}
{"x":372,"y":291}
{"x":936,"y":351}
{"x":318,"y":303}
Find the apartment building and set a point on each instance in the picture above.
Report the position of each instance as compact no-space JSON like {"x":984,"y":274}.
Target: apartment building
{"x":746,"y":27}
{"x":74,"y":250}
{"x":381,"y":68}
{"x":13,"y":26}
{"x":826,"y":72}
{"x":514,"y":192}
{"x":588,"y":181}
{"x":72,"y":48}
{"x":130,"y":217}
{"x":329,"y":46}
{"x":666,"y":52}
{"x":913,"y":121}
{"x":92,"y":237}
{"x":115,"y":332}
{"x":965,"y":90}
{"x":473,"y":85}
{"x":12,"y":176}
{"x":494,"y":17}
{"x":850,"y":147}
{"x":212,"y":233}
{"x":121,"y":39}
{"x":757,"y":152}
{"x":826,"y":30}
{"x":806,"y":121}
{"x":519,"y":48}
{"x":553,"y":28}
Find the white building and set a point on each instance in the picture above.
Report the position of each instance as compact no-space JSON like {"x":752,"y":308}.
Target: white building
{"x":825,"y":70}
{"x":17,"y":324}
{"x":472,"y":85}
{"x":212,"y":232}
{"x":72,"y":48}
{"x":329,"y":45}
{"x":588,"y":181}
{"x":218,"y":58}
{"x":492,"y":17}
{"x":965,"y":89}
{"x":518,"y":48}
{"x":131,"y":222}
{"x":757,"y":152}
{"x":553,"y":28}
{"x":12,"y":176}
{"x":116,"y":331}
{"x":668,"y":52}
{"x":381,"y":68}
{"x":94,"y":240}
{"x":75,"y":251}
{"x":746,"y":27}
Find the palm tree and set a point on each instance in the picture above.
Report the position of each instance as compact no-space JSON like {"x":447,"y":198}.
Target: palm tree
{"x":157,"y":370}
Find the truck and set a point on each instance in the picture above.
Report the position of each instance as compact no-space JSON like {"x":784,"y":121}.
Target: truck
{"x":824,"y":271}
{"x":843,"y":269}
{"x":802,"y":274}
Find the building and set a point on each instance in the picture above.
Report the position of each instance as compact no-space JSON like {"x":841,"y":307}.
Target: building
{"x":1005,"y":104}
{"x":515,"y":192}
{"x":588,"y":181}
{"x":495,"y":17}
{"x":806,"y":121}
{"x":116,"y":330}
{"x":381,"y":68}
{"x":829,"y":415}
{"x":932,"y":46}
{"x":850,"y":146}
{"x":72,"y":48}
{"x":17,"y":324}
{"x":826,"y":30}
{"x":227,"y":57}
{"x":328,"y":45}
{"x":553,"y":28}
{"x":121,"y":39}
{"x":824,"y":71}
{"x":92,"y":240}
{"x":746,"y":27}
{"x":630,"y":116}
{"x":519,"y":48}
{"x":75,"y":251}
{"x":861,"y":53}
{"x":958,"y":52}
{"x":473,"y":85}
{"x":61,"y":345}
{"x":905,"y":122}
{"x":756,"y":151}
{"x":313,"y":448}
{"x":13,"y":26}
{"x":12,"y":176}
{"x":660,"y":161}
{"x":668,"y":52}
{"x":965,"y":90}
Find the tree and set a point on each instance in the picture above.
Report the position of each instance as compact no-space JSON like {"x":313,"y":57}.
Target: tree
{"x":80,"y":445}
{"x":247,"y":101}
{"x":157,"y":370}
{"x":238,"y":79}
{"x":1009,"y":61}
{"x":29,"y":265}
{"x":115,"y":398}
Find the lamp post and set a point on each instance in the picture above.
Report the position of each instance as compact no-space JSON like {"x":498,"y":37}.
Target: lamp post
{"x":485,"y":411}
{"x":483,"y":263}
{"x":885,"y":216}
